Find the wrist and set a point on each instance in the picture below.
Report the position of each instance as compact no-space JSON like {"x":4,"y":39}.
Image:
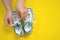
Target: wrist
{"x":20,"y":6}
{"x":21,"y":2}
{"x":8,"y":10}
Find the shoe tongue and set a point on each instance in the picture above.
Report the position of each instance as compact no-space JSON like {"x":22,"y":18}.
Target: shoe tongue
{"x":17,"y":25}
{"x":28,"y":26}
{"x":18,"y":30}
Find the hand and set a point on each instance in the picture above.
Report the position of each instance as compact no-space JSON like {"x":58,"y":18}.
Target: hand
{"x":8,"y":18}
{"x":22,"y":11}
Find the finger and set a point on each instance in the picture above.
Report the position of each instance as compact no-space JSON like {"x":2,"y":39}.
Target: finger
{"x":6,"y":22}
{"x":26,"y":13}
{"x":22,"y":15}
{"x":19,"y":15}
{"x":11,"y":21}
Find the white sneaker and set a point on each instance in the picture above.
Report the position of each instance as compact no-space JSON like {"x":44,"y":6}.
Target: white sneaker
{"x":17,"y":25}
{"x":28,"y":22}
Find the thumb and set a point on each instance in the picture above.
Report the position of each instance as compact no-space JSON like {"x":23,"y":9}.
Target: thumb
{"x":11,"y":22}
{"x":20,"y":15}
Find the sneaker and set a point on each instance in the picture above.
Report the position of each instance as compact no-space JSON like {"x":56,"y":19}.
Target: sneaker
{"x":17,"y":25}
{"x":28,"y":21}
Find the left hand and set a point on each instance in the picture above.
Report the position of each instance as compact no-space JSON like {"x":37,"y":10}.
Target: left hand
{"x":22,"y":11}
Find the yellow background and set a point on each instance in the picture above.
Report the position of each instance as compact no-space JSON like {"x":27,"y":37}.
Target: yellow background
{"x":46,"y":21}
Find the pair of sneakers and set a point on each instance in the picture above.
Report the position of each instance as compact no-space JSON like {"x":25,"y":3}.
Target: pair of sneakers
{"x":28,"y":21}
